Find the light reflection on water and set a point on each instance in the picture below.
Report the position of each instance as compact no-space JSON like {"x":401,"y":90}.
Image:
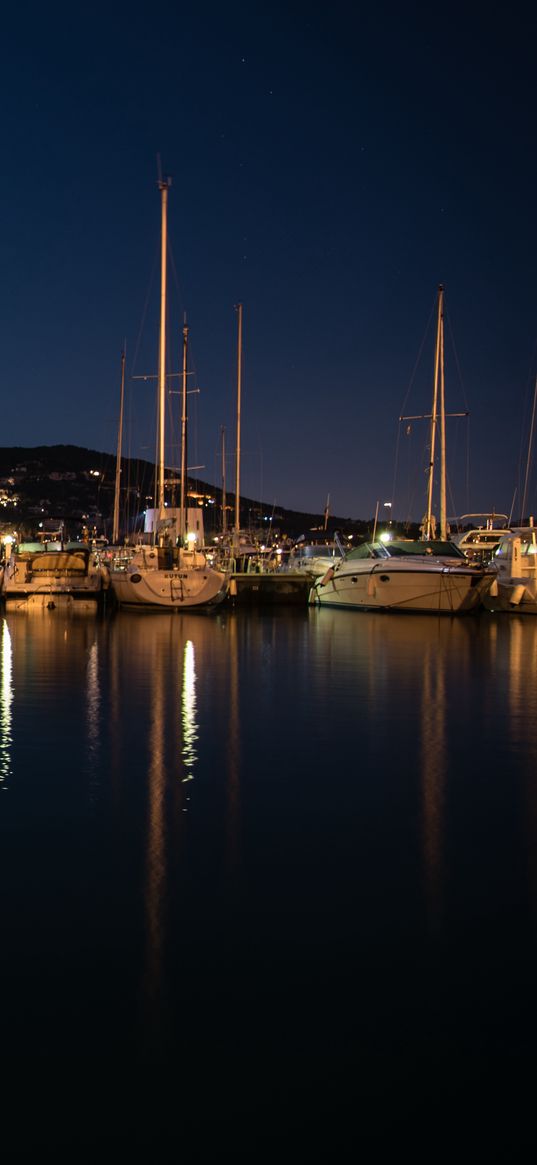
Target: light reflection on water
{"x":361,"y":794}
{"x":188,"y":703}
{"x":6,"y":700}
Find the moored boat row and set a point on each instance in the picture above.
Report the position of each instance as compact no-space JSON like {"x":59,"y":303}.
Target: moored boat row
{"x":398,"y":575}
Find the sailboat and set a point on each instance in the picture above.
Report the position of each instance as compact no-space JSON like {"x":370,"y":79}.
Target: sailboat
{"x":163,"y":575}
{"x":405,"y":575}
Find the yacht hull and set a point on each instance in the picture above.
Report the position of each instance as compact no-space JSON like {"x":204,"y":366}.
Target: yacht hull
{"x":51,"y":598}
{"x":513,"y":596}
{"x":170,"y":590}
{"x":395,"y":586}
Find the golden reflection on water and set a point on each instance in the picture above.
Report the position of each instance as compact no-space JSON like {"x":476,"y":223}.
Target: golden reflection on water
{"x":390,"y":652}
{"x":522,"y":693}
{"x":433,"y":772}
{"x":188,"y":712}
{"x":233,"y":752}
{"x":155,"y":854}
{"x":93,"y":708}
{"x":6,"y":700}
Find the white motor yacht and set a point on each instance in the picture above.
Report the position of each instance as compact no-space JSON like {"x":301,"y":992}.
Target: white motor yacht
{"x":480,"y":543}
{"x":514,"y":587}
{"x":404,"y":576}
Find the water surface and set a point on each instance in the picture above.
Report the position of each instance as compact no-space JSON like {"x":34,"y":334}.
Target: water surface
{"x":269,"y":881}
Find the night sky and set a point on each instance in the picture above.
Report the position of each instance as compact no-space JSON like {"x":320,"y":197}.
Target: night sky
{"x":331,"y":165}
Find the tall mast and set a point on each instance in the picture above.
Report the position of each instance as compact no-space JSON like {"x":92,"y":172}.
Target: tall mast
{"x":182,"y":520}
{"x":224,"y":511}
{"x":443,"y":512}
{"x":164,"y":185}
{"x":434,"y":412}
{"x":115,"y":523}
{"x":238,"y":451}
{"x":528,"y":459}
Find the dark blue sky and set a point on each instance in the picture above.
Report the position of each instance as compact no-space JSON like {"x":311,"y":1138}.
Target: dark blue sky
{"x":331,"y":165}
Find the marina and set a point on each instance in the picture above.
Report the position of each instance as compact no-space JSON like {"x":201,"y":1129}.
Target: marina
{"x":268,"y":586}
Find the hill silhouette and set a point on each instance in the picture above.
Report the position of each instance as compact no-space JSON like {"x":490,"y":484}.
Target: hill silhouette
{"x":68,"y":483}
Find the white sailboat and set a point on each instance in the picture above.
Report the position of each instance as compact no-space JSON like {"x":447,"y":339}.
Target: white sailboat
{"x":405,"y":575}
{"x":166,"y":576}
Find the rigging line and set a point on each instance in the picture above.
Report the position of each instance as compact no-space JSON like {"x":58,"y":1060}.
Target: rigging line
{"x":468,"y":465}
{"x":176,"y":281}
{"x":450,"y":493}
{"x":456,"y":359}
{"x":419,"y":356}
{"x":141,"y":326}
{"x":396,"y":463}
{"x":523,"y":429}
{"x":414,"y":472}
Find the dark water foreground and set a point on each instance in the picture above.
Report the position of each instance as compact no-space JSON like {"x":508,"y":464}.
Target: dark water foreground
{"x":268,"y":886}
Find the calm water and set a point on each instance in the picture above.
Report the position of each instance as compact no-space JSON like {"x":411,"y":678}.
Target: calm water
{"x":269,"y":883}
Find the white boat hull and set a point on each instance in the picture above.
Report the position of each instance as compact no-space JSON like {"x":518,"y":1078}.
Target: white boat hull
{"x":514,"y":595}
{"x":394,"y":585}
{"x":171,"y":590}
{"x":515,"y":584}
{"x":49,"y":600}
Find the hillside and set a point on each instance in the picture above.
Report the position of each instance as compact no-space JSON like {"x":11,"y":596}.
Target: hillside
{"x":49,"y":484}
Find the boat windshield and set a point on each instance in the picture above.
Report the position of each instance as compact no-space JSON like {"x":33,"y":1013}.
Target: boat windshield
{"x":480,"y":538}
{"x":368,"y":550}
{"x":403,"y":548}
{"x":432,"y":547}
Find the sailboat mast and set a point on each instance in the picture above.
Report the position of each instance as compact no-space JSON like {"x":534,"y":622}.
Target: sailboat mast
{"x":115,"y":522}
{"x":326,"y":511}
{"x":238,"y":451}
{"x":528,"y":459}
{"x":434,"y":416}
{"x":164,"y":185}
{"x":443,"y":512}
{"x":182,"y":520}
{"x":224,"y":510}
